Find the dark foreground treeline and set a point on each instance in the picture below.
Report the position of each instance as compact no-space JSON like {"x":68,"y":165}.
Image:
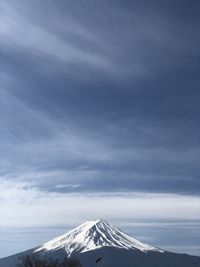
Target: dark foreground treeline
{"x":28,"y":261}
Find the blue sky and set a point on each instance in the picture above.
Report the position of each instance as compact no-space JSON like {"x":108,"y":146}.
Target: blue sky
{"x":99,"y":113}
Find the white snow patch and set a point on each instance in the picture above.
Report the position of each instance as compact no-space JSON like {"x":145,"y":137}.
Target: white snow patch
{"x":92,"y":235}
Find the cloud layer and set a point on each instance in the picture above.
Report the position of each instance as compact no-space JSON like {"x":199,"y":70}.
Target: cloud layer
{"x":23,"y":205}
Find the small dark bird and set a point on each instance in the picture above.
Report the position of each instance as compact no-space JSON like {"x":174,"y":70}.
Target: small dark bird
{"x":97,"y":260}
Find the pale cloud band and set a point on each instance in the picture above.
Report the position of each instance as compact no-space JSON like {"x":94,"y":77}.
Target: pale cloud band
{"x":25,"y":206}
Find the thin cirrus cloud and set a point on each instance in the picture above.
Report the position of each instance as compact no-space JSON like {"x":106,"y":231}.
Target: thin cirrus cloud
{"x":66,"y":153}
{"x":79,"y":42}
{"x":23,"y":35}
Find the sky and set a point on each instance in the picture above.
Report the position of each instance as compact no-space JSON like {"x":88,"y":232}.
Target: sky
{"x":99,"y":115}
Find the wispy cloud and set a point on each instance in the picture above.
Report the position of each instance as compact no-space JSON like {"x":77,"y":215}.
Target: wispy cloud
{"x":95,"y":45}
{"x":25,"y":35}
{"x":126,"y":154}
{"x":71,"y":186}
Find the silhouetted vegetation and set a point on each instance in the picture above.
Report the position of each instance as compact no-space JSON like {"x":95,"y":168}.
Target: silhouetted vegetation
{"x":29,"y":261}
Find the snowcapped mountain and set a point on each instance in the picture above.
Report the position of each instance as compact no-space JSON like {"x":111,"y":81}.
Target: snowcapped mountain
{"x":93,"y":235}
{"x":97,"y":243}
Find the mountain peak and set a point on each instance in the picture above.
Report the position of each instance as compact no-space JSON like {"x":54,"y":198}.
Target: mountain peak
{"x":94,"y":222}
{"x":92,"y":235}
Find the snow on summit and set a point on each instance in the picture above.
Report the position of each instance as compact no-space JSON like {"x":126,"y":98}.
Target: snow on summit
{"x":93,"y":235}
